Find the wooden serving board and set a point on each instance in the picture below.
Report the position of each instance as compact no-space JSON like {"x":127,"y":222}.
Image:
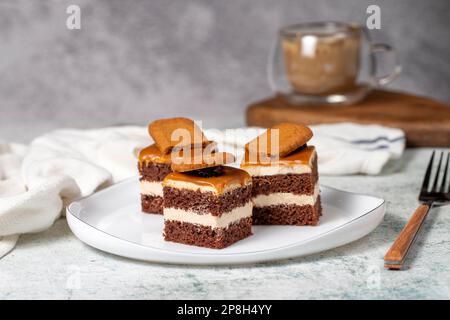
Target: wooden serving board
{"x":425,"y":121}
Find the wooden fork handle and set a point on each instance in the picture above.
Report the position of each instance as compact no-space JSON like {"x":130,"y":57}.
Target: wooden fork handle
{"x":397,"y":253}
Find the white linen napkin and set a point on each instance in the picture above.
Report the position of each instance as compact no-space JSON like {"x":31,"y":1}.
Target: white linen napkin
{"x":36,"y":181}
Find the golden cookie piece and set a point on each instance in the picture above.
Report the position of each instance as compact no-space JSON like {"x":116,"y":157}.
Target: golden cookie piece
{"x":280,"y":140}
{"x":176,"y":133}
{"x":200,"y":160}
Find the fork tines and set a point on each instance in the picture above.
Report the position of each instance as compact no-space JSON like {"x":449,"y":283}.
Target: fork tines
{"x":437,"y":191}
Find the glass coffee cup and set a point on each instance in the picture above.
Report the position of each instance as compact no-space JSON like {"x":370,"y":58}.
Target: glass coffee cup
{"x":327,"y":63}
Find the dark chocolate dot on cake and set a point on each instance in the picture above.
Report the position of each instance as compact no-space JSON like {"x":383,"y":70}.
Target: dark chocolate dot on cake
{"x":303,"y":147}
{"x":207,"y":172}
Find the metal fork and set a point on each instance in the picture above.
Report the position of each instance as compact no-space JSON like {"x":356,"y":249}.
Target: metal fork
{"x":397,"y":253}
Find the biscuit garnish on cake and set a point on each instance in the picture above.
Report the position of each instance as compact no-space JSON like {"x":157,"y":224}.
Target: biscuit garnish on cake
{"x":177,"y":133}
{"x":280,"y":140}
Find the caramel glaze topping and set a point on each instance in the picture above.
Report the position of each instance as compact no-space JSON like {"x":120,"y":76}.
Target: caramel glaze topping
{"x":302,"y":156}
{"x":153,"y":154}
{"x":230,"y":176}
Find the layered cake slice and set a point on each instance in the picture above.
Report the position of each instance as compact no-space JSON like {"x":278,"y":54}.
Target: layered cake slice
{"x":153,"y":167}
{"x":155,"y":160}
{"x":209,"y":207}
{"x":285,"y":187}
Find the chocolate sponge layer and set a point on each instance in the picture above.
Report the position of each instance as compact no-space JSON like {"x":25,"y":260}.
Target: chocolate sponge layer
{"x":154,"y":171}
{"x":286,"y":183}
{"x":206,"y":202}
{"x":197,"y":235}
{"x":151,"y":204}
{"x":288,"y":214}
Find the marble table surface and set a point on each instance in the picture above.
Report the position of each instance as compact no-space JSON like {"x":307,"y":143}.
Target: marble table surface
{"x":54,"y":264}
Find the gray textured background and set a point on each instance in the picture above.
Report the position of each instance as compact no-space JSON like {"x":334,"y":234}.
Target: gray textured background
{"x":134,"y":61}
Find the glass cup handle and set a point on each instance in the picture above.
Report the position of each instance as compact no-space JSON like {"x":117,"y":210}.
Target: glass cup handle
{"x":381,"y":47}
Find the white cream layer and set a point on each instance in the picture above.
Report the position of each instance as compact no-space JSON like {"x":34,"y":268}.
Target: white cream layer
{"x":151,"y":188}
{"x":280,"y":198}
{"x":256,"y":171}
{"x":209,"y":220}
{"x":195,"y":187}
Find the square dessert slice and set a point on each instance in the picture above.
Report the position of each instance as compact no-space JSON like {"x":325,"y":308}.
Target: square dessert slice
{"x":210,"y":207}
{"x":153,"y":168}
{"x":285,"y":191}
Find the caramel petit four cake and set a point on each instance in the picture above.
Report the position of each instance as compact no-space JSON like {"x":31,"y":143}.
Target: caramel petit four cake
{"x":155,"y":160}
{"x":153,"y":167}
{"x":286,"y":188}
{"x":208,"y":207}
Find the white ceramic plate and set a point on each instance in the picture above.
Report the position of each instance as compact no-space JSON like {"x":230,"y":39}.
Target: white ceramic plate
{"x":111,"y":220}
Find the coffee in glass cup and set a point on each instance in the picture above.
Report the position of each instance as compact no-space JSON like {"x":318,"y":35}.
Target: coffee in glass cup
{"x":328,"y":63}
